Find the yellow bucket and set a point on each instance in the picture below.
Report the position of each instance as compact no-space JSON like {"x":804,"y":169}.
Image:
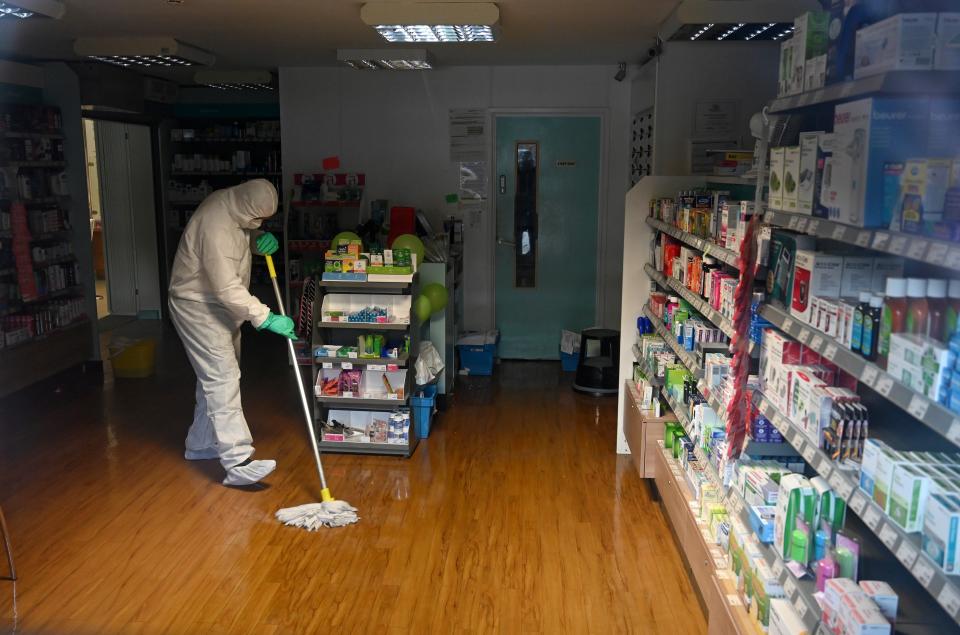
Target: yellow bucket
{"x":135,"y":360}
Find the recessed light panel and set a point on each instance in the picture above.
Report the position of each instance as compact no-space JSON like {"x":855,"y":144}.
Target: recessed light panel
{"x":142,"y":52}
{"x":732,"y":32}
{"x":24,"y":9}
{"x":436,"y":33}
{"x":389,"y":59}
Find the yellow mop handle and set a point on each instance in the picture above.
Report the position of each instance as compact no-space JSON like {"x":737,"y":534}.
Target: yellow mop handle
{"x":325,"y":491}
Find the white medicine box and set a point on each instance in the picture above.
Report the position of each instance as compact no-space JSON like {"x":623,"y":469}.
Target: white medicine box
{"x":791,"y":178}
{"x":947,"y":55}
{"x":777,"y":156}
{"x":903,"y":42}
{"x":814,"y":274}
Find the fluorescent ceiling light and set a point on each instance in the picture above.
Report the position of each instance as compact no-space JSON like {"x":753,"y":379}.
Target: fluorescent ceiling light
{"x":732,"y":20}
{"x":235,"y":80}
{"x":390,"y":59}
{"x":33,"y":9}
{"x":133,"y":52}
{"x":439,"y":22}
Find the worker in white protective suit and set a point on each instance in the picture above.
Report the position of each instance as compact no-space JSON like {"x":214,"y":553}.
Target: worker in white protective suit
{"x":209,"y":301}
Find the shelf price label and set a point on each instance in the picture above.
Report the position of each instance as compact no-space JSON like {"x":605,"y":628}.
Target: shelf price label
{"x":802,"y":224}
{"x":937,"y":253}
{"x":889,"y":536}
{"x":918,"y":406}
{"x":792,"y":224}
{"x":734,"y":600}
{"x":869,"y":374}
{"x":812,"y":226}
{"x":897,"y":245}
{"x":840,"y":485}
{"x":809,"y":453}
{"x":789,"y":586}
{"x":858,"y":502}
{"x":917,"y":249}
{"x":830,"y":352}
{"x":787,"y":326}
{"x":863,"y":238}
{"x":803,"y":336}
{"x":907,"y":553}
{"x":816,"y":343}
{"x":873,"y":518}
{"x":949,"y":599}
{"x":328,"y":364}
{"x":880,"y":240}
{"x":953,"y":260}
{"x":923,"y":571}
{"x":839,"y":231}
{"x":884,"y":385}
{"x":800,"y":606}
{"x":777,"y":568}
{"x":346,"y":365}
{"x":953,"y":432}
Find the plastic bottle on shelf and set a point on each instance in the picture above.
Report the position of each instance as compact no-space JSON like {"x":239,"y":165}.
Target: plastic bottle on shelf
{"x":953,"y":308}
{"x":856,"y":334}
{"x":937,"y":312}
{"x":871,"y":328}
{"x":893,"y":318}
{"x":917,"y":307}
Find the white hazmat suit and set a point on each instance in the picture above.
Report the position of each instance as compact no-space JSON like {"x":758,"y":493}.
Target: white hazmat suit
{"x":209,"y":300}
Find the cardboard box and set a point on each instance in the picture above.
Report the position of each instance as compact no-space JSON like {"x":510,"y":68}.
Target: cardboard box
{"x":872,"y":449}
{"x":785,"y":83}
{"x":810,"y":406}
{"x":777,"y":158}
{"x":871,"y":133}
{"x":810,"y":41}
{"x":834,"y":591}
{"x":887,"y":463}
{"x":941,"y":525}
{"x":776,"y":352}
{"x":883,"y":596}
{"x":923,"y":192}
{"x":922,"y":363}
{"x":904,"y":42}
{"x":946,"y":57}
{"x":857,"y":275}
{"x":883,"y":268}
{"x":783,"y":251}
{"x":791,"y":178}
{"x":795,"y":498}
{"x":860,"y":616}
{"x":908,"y":497}
{"x":814,"y":274}
{"x":815,"y":73}
{"x":784,"y":619}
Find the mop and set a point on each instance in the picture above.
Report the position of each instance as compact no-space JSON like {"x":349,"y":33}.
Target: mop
{"x":330,"y":512}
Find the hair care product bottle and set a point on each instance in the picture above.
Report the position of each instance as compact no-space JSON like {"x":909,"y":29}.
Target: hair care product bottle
{"x":821,"y":542}
{"x":871,"y":328}
{"x":856,"y":334}
{"x":917,"y":308}
{"x":937,"y":303}
{"x":893,"y":318}
{"x":953,"y":308}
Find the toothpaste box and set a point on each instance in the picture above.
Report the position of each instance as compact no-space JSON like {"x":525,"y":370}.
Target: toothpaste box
{"x":947,"y":54}
{"x":904,"y":42}
{"x":871,"y":133}
{"x":941,"y":524}
{"x":883,"y":596}
{"x":909,"y":491}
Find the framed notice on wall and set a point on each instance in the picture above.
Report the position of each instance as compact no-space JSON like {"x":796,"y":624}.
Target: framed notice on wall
{"x":716,"y":119}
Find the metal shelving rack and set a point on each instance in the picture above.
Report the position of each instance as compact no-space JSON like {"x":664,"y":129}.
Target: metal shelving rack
{"x":326,"y":332}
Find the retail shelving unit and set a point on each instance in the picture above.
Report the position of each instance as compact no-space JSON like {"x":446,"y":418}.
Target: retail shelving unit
{"x":196,"y":145}
{"x":345,"y":333}
{"x":45,"y":329}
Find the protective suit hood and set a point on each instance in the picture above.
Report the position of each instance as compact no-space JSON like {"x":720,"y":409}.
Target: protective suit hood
{"x":250,"y":202}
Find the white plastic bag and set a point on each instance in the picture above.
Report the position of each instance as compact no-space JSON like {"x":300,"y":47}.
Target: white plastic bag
{"x":428,"y":364}
{"x":569,"y":342}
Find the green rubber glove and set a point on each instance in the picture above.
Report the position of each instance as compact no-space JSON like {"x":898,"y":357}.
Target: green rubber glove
{"x":279,"y":324}
{"x":267,"y":244}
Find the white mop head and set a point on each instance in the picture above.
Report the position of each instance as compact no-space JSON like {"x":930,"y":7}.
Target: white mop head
{"x":313,"y":516}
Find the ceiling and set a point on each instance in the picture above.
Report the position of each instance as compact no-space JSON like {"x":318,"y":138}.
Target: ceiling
{"x":266,"y":34}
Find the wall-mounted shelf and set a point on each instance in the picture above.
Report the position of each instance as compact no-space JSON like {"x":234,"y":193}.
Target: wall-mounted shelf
{"x":931,"y":414}
{"x":905,"y":83}
{"x":726,"y":256}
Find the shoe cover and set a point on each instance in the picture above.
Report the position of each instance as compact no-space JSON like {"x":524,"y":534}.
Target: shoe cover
{"x":250,"y":473}
{"x":201,"y":455}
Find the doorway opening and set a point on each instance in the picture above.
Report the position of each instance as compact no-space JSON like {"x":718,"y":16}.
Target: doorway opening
{"x":96,"y":219}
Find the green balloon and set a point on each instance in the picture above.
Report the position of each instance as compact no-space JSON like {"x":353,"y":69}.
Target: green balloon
{"x":422,"y":308}
{"x":411,"y":242}
{"x":344,"y":236}
{"x":437,"y":294}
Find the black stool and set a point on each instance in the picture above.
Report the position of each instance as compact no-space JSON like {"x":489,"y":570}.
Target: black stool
{"x":598,"y":369}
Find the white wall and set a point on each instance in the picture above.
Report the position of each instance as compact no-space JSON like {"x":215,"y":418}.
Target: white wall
{"x":687,"y":72}
{"x":394,"y":128}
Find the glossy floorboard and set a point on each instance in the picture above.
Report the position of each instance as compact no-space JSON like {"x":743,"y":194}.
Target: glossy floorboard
{"x":515,"y":516}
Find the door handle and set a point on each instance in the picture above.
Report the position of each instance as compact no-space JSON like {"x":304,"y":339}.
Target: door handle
{"x":505,"y":242}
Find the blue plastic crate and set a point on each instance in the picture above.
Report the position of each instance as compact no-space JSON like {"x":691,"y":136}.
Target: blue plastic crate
{"x":423,"y":409}
{"x":568,"y":361}
{"x":477,"y":360}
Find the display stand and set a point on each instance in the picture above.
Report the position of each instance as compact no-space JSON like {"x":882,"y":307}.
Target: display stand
{"x":345,"y":333}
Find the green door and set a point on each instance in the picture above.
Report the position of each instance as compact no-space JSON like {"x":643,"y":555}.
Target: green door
{"x":548,"y":178}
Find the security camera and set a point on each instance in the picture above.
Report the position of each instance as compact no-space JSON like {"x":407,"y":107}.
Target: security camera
{"x":621,"y":72}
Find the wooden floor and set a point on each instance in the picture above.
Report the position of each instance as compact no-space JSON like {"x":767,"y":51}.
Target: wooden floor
{"x":515,"y":516}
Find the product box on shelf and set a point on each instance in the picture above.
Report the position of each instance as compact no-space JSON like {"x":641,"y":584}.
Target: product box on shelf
{"x":921,"y":363}
{"x":815,"y":73}
{"x":857,"y":275}
{"x":887,"y":463}
{"x":815,"y":274}
{"x":947,"y":54}
{"x":869,"y":134}
{"x":883,"y":596}
{"x":810,"y":405}
{"x":908,"y":497}
{"x":785,"y":83}
{"x":796,"y":500}
{"x":883,"y":268}
{"x":777,"y":158}
{"x":872,"y":450}
{"x":941,"y":524}
{"x":810,"y":172}
{"x":903,"y":42}
{"x":859,"y":615}
{"x":923,"y":192}
{"x":784,"y":619}
{"x":791,"y":178}
{"x":783,"y":250}
{"x":810,"y":41}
